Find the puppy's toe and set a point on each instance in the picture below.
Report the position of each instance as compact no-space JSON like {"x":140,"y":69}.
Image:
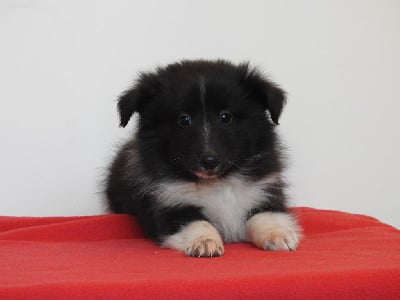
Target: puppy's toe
{"x":205,"y":247}
{"x":273,"y":231}
{"x":197,"y":239}
{"x":280,"y":241}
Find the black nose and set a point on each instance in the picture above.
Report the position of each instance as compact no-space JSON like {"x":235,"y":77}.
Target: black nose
{"x":209,"y":162}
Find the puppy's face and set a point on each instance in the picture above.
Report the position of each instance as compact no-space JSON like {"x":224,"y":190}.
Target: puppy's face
{"x":204,"y":120}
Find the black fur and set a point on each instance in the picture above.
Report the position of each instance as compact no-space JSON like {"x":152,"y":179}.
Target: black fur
{"x":163,"y":150}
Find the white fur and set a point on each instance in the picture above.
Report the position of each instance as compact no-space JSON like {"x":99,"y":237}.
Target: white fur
{"x":273,"y":231}
{"x":197,"y":238}
{"x":206,"y":124}
{"x":202,"y":85}
{"x":225,"y":202}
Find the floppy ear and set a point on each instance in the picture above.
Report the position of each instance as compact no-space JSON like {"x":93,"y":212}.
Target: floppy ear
{"x":128,"y":103}
{"x":131,"y":101}
{"x":276,"y":100}
{"x":270,"y":94}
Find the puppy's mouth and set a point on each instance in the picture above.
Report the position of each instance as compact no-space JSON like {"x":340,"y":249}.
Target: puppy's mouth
{"x":206,"y":175}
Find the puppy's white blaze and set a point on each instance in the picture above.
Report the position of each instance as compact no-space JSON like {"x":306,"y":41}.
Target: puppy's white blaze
{"x":206,"y":131}
{"x":206,"y":125}
{"x":202,"y":84}
{"x":184,"y":239}
{"x":273,"y":231}
{"x":224,"y":202}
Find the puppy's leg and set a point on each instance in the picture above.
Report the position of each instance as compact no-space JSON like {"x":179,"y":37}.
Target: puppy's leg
{"x":198,"y":238}
{"x":273,"y":231}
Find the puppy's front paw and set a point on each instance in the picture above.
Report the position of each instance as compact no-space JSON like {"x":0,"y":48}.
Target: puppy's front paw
{"x":284,"y":240}
{"x":205,"y":247}
{"x":197,"y":239}
{"x":273,"y":231}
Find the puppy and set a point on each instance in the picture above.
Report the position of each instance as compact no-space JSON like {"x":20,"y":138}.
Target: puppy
{"x":204,"y":166}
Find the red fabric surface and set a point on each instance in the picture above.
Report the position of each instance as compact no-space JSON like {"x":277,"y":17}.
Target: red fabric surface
{"x":341,"y":256}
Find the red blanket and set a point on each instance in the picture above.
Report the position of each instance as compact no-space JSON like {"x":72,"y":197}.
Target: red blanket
{"x":341,"y":256}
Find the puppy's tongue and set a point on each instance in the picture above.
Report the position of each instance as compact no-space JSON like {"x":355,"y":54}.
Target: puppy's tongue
{"x":203,"y":175}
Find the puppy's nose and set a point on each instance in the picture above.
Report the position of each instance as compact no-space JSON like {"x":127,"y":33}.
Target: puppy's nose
{"x":209,"y":162}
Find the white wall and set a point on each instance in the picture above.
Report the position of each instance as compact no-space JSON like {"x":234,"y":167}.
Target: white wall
{"x":62,"y":64}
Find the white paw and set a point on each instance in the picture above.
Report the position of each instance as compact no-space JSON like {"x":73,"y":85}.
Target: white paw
{"x":197,"y":239}
{"x":285,"y":240}
{"x":273,"y":231}
{"x":205,"y":247}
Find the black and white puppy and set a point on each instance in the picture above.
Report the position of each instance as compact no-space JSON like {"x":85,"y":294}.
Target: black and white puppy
{"x":205,"y":164}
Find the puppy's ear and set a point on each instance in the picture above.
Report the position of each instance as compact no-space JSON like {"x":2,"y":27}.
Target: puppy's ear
{"x":270,"y":94}
{"x":128,"y":103}
{"x":276,"y":100}
{"x":132,"y":100}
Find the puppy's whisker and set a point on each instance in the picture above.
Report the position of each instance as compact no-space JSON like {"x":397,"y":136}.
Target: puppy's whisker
{"x":241,"y":168}
{"x":258,"y":156}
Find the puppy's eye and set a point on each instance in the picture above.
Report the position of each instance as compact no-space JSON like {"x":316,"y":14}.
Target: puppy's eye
{"x":184,"y":120}
{"x":226,"y":117}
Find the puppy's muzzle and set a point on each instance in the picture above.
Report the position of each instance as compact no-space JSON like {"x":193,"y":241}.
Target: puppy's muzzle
{"x":209,"y":165}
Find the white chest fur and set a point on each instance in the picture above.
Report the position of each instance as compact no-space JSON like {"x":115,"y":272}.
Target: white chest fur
{"x":225,"y":202}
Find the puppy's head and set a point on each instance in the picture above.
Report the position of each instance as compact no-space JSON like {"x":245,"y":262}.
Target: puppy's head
{"x":202,"y":120}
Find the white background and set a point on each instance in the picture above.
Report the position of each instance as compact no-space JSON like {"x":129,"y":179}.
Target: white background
{"x":63,"y":63}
